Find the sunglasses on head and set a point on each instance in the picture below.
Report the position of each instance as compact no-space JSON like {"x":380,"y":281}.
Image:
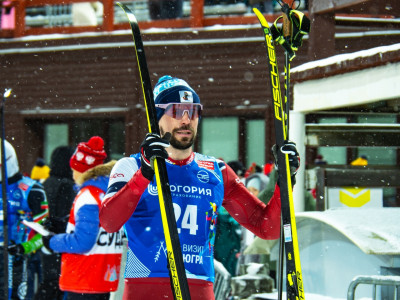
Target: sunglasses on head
{"x":177,"y":110}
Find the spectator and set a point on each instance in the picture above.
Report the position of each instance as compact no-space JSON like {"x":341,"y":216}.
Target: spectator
{"x":360,"y":161}
{"x":90,"y":259}
{"x":254,"y":168}
{"x":256,"y":182}
{"x":165,"y":9}
{"x":7,"y":15}
{"x":268,"y":167}
{"x":228,"y":236}
{"x":26,"y":201}
{"x":86,"y":13}
{"x":40,"y":171}
{"x":264,"y":6}
{"x":309,"y":199}
{"x":238,"y":168}
{"x":319,"y":160}
{"x":60,"y":193}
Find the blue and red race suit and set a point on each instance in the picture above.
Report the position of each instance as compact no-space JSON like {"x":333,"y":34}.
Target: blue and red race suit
{"x":199,"y":186}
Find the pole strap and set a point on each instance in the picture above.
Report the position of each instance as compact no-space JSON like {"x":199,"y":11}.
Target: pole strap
{"x":300,"y":26}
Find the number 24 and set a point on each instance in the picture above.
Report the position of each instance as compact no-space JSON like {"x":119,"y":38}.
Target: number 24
{"x":189,"y":218}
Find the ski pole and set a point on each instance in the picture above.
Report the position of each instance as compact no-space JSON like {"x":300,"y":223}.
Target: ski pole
{"x":287,"y":34}
{"x":286,"y":29}
{"x":4,"y":188}
{"x":280,"y":264}
{"x":300,"y":25}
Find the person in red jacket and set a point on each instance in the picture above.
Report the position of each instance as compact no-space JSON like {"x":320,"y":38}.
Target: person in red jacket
{"x":91,"y":257}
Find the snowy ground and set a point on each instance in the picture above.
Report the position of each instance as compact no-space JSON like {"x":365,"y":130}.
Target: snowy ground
{"x":274,"y":296}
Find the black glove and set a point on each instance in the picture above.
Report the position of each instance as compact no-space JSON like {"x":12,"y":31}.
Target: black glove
{"x":153,"y":146}
{"x":15,"y":249}
{"x":55,"y":224}
{"x":288,"y":148}
{"x":46,"y":241}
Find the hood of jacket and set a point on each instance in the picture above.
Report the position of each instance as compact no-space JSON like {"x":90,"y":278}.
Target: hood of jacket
{"x":59,"y":162}
{"x":95,"y":173}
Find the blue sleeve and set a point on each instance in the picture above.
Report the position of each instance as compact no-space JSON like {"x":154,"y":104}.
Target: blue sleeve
{"x":85,"y":234}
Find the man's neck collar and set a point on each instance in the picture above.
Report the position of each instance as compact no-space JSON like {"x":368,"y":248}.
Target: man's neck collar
{"x":182,"y":162}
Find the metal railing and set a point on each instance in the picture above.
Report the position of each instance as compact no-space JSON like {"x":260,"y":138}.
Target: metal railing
{"x":35,"y":17}
{"x":393,"y":281}
{"x":222,"y":282}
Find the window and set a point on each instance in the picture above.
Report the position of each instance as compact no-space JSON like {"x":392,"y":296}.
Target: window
{"x":72,"y":132}
{"x":333,"y":155}
{"x":116,"y":139}
{"x":255,"y":142}
{"x":378,"y":155}
{"x":55,"y":135}
{"x":219,"y":137}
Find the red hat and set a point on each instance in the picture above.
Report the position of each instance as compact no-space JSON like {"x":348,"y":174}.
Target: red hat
{"x":88,"y":155}
{"x":268,"y":168}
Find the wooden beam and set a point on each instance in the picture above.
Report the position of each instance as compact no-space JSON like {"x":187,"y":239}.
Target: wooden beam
{"x":30,"y":3}
{"x":368,"y":176}
{"x":330,"y":6}
{"x":61,"y":30}
{"x":353,"y":135}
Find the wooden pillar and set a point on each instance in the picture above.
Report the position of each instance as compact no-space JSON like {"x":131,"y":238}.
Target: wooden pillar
{"x":108,"y":15}
{"x":19,"y":29}
{"x":322,"y":34}
{"x":242,"y":132}
{"x":197,"y":13}
{"x":321,"y":184}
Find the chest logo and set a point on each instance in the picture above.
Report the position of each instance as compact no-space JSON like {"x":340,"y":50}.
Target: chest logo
{"x":17,"y":194}
{"x":203,"y":176}
{"x":152,"y":189}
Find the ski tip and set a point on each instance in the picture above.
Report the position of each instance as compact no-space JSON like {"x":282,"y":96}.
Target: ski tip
{"x":128,"y":12}
{"x":256,"y":11}
{"x":260,"y":17}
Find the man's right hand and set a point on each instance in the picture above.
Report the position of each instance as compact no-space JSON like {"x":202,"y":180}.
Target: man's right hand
{"x":153,"y":146}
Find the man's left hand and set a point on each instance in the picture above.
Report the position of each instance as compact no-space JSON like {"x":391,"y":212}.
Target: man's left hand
{"x":289,"y":148}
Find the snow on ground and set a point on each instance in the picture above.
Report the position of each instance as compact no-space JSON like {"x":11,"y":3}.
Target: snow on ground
{"x":308,"y":296}
{"x":379,"y":235}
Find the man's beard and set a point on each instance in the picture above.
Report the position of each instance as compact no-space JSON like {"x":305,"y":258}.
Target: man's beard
{"x":185,"y":143}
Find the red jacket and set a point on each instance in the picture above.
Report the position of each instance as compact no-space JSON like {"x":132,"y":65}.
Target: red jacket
{"x":95,"y":271}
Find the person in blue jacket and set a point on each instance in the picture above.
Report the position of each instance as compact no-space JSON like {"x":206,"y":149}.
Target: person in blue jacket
{"x":26,"y":201}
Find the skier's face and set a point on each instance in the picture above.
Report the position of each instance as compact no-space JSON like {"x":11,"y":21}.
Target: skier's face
{"x":183,"y":131}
